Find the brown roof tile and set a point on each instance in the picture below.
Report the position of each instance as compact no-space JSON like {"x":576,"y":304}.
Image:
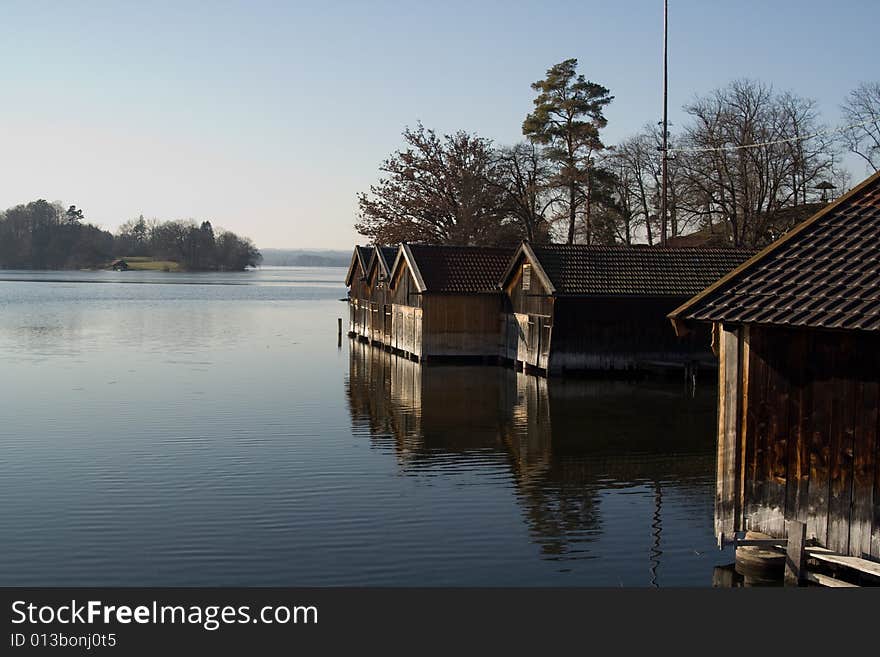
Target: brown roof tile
{"x":460,"y":269}
{"x":581,"y":270}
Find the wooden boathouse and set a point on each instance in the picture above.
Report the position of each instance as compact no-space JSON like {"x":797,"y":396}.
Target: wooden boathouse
{"x":358,"y":295}
{"x":446,"y":302}
{"x":378,"y":329}
{"x":798,"y":331}
{"x":580,"y":307}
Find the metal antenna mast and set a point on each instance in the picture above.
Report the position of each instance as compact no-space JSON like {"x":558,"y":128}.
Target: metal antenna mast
{"x":664,"y":148}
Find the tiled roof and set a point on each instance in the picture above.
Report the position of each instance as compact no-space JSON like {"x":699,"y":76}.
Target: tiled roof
{"x":581,"y":270}
{"x":824,"y":274}
{"x":460,"y":269}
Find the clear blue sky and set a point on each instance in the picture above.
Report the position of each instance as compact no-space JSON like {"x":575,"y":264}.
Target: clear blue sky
{"x":268,"y":117}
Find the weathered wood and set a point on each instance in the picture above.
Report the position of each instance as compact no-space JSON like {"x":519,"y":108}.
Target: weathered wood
{"x":843,"y":411}
{"x":795,"y":556}
{"x":800,"y":401}
{"x":864,"y":446}
{"x":875,"y":530}
{"x":871,"y":568}
{"x":820,"y":366}
{"x":809,"y":438}
{"x":825,"y":580}
{"x":727,"y":468}
{"x":776,"y":441}
{"x":757,"y":464}
{"x":742,"y":412}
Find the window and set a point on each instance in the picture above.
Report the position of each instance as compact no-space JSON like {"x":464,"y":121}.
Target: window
{"x":526,"y":277}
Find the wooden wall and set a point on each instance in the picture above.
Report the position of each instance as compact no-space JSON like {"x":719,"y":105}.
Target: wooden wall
{"x":527,"y":339}
{"x":446,"y":325}
{"x":528,"y":325}
{"x":534,"y":301}
{"x":406,"y":330}
{"x":461,"y":325}
{"x":807,"y":443}
{"x":358,"y":306}
{"x":379,"y":313}
{"x":403,"y":288}
{"x":569,"y":333}
{"x":620,"y":333}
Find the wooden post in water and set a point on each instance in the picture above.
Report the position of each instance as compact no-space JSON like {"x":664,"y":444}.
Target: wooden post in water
{"x":795,"y":557}
{"x":339,"y":332}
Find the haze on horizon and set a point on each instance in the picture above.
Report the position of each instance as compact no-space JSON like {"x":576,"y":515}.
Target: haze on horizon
{"x":268,"y":120}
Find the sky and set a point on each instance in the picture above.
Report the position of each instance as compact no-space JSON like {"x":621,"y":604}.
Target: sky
{"x":268,"y":118}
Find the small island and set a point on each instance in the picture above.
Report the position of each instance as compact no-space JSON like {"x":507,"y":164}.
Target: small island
{"x":43,"y":235}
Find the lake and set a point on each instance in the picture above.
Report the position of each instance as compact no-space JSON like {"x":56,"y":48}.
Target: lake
{"x":207,"y":429}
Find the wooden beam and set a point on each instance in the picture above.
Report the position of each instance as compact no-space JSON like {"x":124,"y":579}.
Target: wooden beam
{"x":855,"y":563}
{"x":727,"y":467}
{"x":825,"y":580}
{"x":742,"y":416}
{"x":795,"y":555}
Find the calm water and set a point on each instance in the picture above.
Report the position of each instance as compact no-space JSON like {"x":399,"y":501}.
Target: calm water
{"x":205,"y":429}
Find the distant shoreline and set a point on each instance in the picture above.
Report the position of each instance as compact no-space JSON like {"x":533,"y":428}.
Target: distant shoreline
{"x":305,"y":258}
{"x":177,"y":270}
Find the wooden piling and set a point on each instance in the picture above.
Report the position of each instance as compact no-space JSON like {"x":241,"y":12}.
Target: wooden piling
{"x":339,"y":331}
{"x":795,"y":554}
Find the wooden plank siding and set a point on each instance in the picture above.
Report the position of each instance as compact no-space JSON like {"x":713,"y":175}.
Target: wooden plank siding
{"x":359,"y":306}
{"x":379,"y":327}
{"x":466,"y":325}
{"x":406,"y":330}
{"x":808,"y":402}
{"x":621,"y":333}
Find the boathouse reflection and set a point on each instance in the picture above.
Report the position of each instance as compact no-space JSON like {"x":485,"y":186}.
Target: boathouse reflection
{"x":566,"y":443}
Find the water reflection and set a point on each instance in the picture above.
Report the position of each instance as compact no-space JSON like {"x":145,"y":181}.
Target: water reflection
{"x":599,"y":468}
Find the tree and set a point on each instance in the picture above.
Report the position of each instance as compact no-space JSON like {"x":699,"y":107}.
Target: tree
{"x":132,"y":236}
{"x":234,"y":253}
{"x":437,"y":190}
{"x":748,"y":154}
{"x":566,"y":121}
{"x":528,"y":196}
{"x":43,"y":235}
{"x":73,"y":215}
{"x":861,"y":112}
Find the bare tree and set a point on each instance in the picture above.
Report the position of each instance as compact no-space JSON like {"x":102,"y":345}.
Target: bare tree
{"x":748,"y":154}
{"x":636,"y":163}
{"x":525,"y":177}
{"x":861,"y":112}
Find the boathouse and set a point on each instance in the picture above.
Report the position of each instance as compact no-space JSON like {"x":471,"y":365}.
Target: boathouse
{"x":446,"y":301}
{"x":358,"y":295}
{"x":580,"y":307}
{"x":377,"y":290}
{"x":798,"y":331}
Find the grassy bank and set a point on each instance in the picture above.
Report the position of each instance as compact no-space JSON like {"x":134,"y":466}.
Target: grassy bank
{"x":145,"y":263}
